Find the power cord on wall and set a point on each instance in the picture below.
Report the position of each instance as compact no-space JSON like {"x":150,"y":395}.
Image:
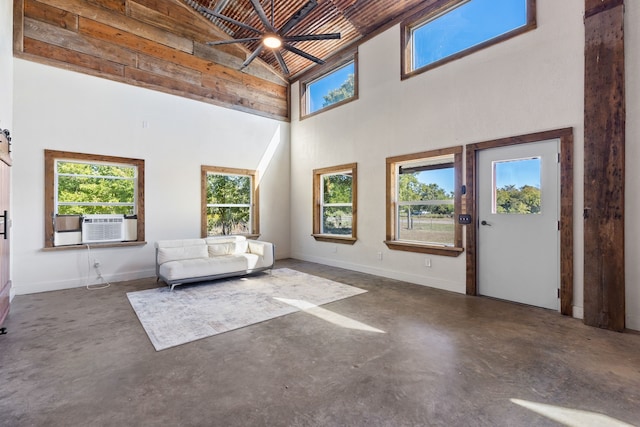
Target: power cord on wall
{"x":96,"y":265}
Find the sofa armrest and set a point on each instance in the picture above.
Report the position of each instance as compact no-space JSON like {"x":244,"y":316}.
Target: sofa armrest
{"x":264,"y":249}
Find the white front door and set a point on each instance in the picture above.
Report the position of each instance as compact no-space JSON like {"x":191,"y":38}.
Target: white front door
{"x":518,"y":212}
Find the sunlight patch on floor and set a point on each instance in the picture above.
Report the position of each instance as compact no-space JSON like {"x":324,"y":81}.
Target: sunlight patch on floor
{"x":571,"y":417}
{"x":329,"y":316}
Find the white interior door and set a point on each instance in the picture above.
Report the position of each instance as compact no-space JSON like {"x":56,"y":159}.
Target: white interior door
{"x":518,"y":212}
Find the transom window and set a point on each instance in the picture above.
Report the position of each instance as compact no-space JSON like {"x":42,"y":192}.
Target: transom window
{"x":229,"y":201}
{"x":423,"y":202}
{"x":441,"y":34}
{"x":331,"y":88}
{"x":77,"y":185}
{"x":335,"y":206}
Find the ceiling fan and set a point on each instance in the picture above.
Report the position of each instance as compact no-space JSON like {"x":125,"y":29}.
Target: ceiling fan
{"x":271,"y":37}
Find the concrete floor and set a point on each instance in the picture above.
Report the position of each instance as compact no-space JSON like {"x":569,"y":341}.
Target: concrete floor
{"x":81,"y":358}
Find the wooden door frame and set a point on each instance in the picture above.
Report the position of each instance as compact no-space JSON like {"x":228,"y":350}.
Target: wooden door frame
{"x":566,"y":208}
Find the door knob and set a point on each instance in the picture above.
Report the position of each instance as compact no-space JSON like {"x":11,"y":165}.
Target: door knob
{"x":485,"y":223}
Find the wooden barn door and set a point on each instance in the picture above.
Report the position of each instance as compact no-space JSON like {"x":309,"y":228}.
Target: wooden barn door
{"x":5,"y":283}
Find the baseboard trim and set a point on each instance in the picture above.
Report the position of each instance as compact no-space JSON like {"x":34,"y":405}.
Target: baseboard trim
{"x":36,"y":287}
{"x":578,"y":312}
{"x":431,"y":282}
{"x":632,"y":322}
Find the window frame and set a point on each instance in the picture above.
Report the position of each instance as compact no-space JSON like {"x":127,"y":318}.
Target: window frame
{"x":439,"y":8}
{"x":392,"y":241}
{"x":254,"y":213}
{"x":323,"y":71}
{"x":318,"y":174}
{"x":50,"y":185}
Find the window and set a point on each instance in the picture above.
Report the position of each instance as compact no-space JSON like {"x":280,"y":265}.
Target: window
{"x":82,"y":184}
{"x":516,"y":186}
{"x":331,"y":88}
{"x":335,"y":198}
{"x":423,"y":202}
{"x":444,"y":33}
{"x":229,"y":202}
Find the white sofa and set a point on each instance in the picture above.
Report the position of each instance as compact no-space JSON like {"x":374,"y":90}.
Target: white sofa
{"x":196,"y":260}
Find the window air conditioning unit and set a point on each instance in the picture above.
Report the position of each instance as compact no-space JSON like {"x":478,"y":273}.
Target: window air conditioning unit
{"x":102,"y":228}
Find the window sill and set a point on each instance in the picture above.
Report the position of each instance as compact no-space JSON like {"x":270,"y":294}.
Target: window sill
{"x":94,"y":246}
{"x":424,"y":249}
{"x":333,"y":238}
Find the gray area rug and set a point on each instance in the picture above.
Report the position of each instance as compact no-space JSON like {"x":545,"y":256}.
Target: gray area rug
{"x":192,"y":312}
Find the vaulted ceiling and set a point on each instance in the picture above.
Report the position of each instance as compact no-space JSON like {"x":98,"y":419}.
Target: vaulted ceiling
{"x":353,"y":19}
{"x":163,"y":44}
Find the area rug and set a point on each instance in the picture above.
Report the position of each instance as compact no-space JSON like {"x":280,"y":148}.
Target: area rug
{"x":192,"y":312}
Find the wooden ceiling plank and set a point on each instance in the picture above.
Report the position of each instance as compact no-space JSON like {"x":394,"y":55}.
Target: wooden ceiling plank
{"x":73,"y":41}
{"x":169,"y":69}
{"x":124,"y":23}
{"x":229,"y":100}
{"x":52,"y":15}
{"x":255,"y":69}
{"x":70,"y":57}
{"x":115,"y":5}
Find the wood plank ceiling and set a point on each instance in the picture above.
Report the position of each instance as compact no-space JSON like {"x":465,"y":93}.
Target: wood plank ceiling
{"x":162,"y":44}
{"x":353,"y":19}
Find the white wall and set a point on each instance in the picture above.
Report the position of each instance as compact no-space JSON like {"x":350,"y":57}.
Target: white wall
{"x":632,"y":153}
{"x":62,"y":110}
{"x":531,"y":83}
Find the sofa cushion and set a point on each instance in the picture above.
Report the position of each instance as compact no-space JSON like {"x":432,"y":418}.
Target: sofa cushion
{"x":221,"y":249}
{"x":205,"y":267}
{"x":182,"y":253}
{"x":227,"y":245}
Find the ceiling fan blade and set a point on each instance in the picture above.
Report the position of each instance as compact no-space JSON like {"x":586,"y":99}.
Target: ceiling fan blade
{"x":309,"y":37}
{"x":221,"y":42}
{"x":263,"y":16}
{"x":283,"y":65}
{"x":253,"y":56}
{"x":226,"y":18}
{"x":298,"y":16}
{"x":303,"y":54}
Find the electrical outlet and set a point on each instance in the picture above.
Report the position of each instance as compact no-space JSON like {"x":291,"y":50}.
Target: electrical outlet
{"x":380,"y":256}
{"x":427,"y":262}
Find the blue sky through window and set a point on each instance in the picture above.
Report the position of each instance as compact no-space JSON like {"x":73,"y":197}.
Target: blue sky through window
{"x":466,"y":26}
{"x":319,"y":88}
{"x":442,"y":177}
{"x":517,"y":173}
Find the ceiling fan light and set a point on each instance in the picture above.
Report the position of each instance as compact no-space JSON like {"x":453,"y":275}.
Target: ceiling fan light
{"x":272,"y":41}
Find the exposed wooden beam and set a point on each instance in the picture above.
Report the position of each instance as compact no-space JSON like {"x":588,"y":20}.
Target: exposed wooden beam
{"x":604,"y":165}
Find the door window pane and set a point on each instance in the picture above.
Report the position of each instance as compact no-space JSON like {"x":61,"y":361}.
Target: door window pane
{"x":516,"y":187}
